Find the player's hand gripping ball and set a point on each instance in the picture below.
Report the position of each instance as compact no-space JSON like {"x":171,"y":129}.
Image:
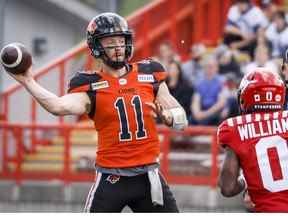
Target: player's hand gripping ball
{"x":15,"y":58}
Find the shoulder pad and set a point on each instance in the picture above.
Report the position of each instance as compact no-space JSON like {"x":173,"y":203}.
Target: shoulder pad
{"x":82,"y":80}
{"x":149,"y":66}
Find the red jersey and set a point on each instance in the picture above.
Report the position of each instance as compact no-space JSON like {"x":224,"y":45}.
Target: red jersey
{"x":260,"y":142}
{"x":127,"y":135}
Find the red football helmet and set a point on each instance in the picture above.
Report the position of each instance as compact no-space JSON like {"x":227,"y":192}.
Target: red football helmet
{"x":261,"y":89}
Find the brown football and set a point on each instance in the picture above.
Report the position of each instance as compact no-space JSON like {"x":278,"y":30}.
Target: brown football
{"x":15,"y":58}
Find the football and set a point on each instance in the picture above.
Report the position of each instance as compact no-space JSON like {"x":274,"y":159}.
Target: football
{"x":15,"y":58}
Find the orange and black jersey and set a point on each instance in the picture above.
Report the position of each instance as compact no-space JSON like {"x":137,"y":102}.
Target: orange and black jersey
{"x":126,"y":131}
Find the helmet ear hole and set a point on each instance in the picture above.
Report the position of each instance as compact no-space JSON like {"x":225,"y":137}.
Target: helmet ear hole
{"x":96,"y":53}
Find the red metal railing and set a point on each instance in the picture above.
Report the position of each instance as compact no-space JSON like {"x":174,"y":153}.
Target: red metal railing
{"x":16,"y":132}
{"x":162,"y":20}
{"x":210,"y":179}
{"x":68,"y":175}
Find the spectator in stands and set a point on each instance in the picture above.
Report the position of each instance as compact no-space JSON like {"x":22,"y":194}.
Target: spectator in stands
{"x":166,"y":55}
{"x":228,"y":63}
{"x":244,"y":21}
{"x":178,"y":87}
{"x":231,"y":70}
{"x":269,"y":8}
{"x":231,"y":83}
{"x":192,"y":69}
{"x":263,"y":41}
{"x":262,"y":59}
{"x":209,"y":97}
{"x":277,"y":34}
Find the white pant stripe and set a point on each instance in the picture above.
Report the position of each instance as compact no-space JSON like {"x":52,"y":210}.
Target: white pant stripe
{"x":92,"y":193}
{"x":88,"y":197}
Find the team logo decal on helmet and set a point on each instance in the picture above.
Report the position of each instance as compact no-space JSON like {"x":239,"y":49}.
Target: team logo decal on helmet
{"x":91,"y":27}
{"x":261,"y":89}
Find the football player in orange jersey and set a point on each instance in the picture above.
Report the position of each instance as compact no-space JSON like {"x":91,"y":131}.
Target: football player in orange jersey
{"x":256,"y":141}
{"x":122,"y":99}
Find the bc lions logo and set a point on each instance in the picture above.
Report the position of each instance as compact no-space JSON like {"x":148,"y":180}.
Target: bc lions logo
{"x":113,"y":179}
{"x":91,"y":27}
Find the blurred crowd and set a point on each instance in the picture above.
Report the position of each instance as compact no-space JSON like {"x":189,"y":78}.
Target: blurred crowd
{"x":206,"y":85}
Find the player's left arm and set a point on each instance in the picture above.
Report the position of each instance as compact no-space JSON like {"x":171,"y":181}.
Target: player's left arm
{"x":230,"y":182}
{"x":168,"y":109}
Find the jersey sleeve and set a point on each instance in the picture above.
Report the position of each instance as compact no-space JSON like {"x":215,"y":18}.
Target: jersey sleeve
{"x":81,"y":82}
{"x":225,"y":136}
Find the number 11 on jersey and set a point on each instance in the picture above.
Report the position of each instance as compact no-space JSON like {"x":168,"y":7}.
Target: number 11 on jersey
{"x":125,"y":133}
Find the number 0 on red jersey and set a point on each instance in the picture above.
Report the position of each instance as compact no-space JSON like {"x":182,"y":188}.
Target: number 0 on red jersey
{"x":260,"y":142}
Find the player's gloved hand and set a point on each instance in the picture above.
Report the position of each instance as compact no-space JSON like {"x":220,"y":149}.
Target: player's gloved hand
{"x":164,"y":114}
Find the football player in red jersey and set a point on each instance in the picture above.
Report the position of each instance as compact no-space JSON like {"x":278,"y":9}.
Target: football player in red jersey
{"x":122,"y":99}
{"x":256,"y":142}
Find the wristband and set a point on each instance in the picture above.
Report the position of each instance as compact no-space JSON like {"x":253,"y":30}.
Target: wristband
{"x":179,"y":121}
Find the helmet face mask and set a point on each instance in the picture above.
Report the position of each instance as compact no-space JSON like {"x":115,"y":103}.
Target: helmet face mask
{"x":109,"y":25}
{"x":261,"y":90}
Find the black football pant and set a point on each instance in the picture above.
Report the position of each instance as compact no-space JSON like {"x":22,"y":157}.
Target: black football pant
{"x":110,"y":193}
